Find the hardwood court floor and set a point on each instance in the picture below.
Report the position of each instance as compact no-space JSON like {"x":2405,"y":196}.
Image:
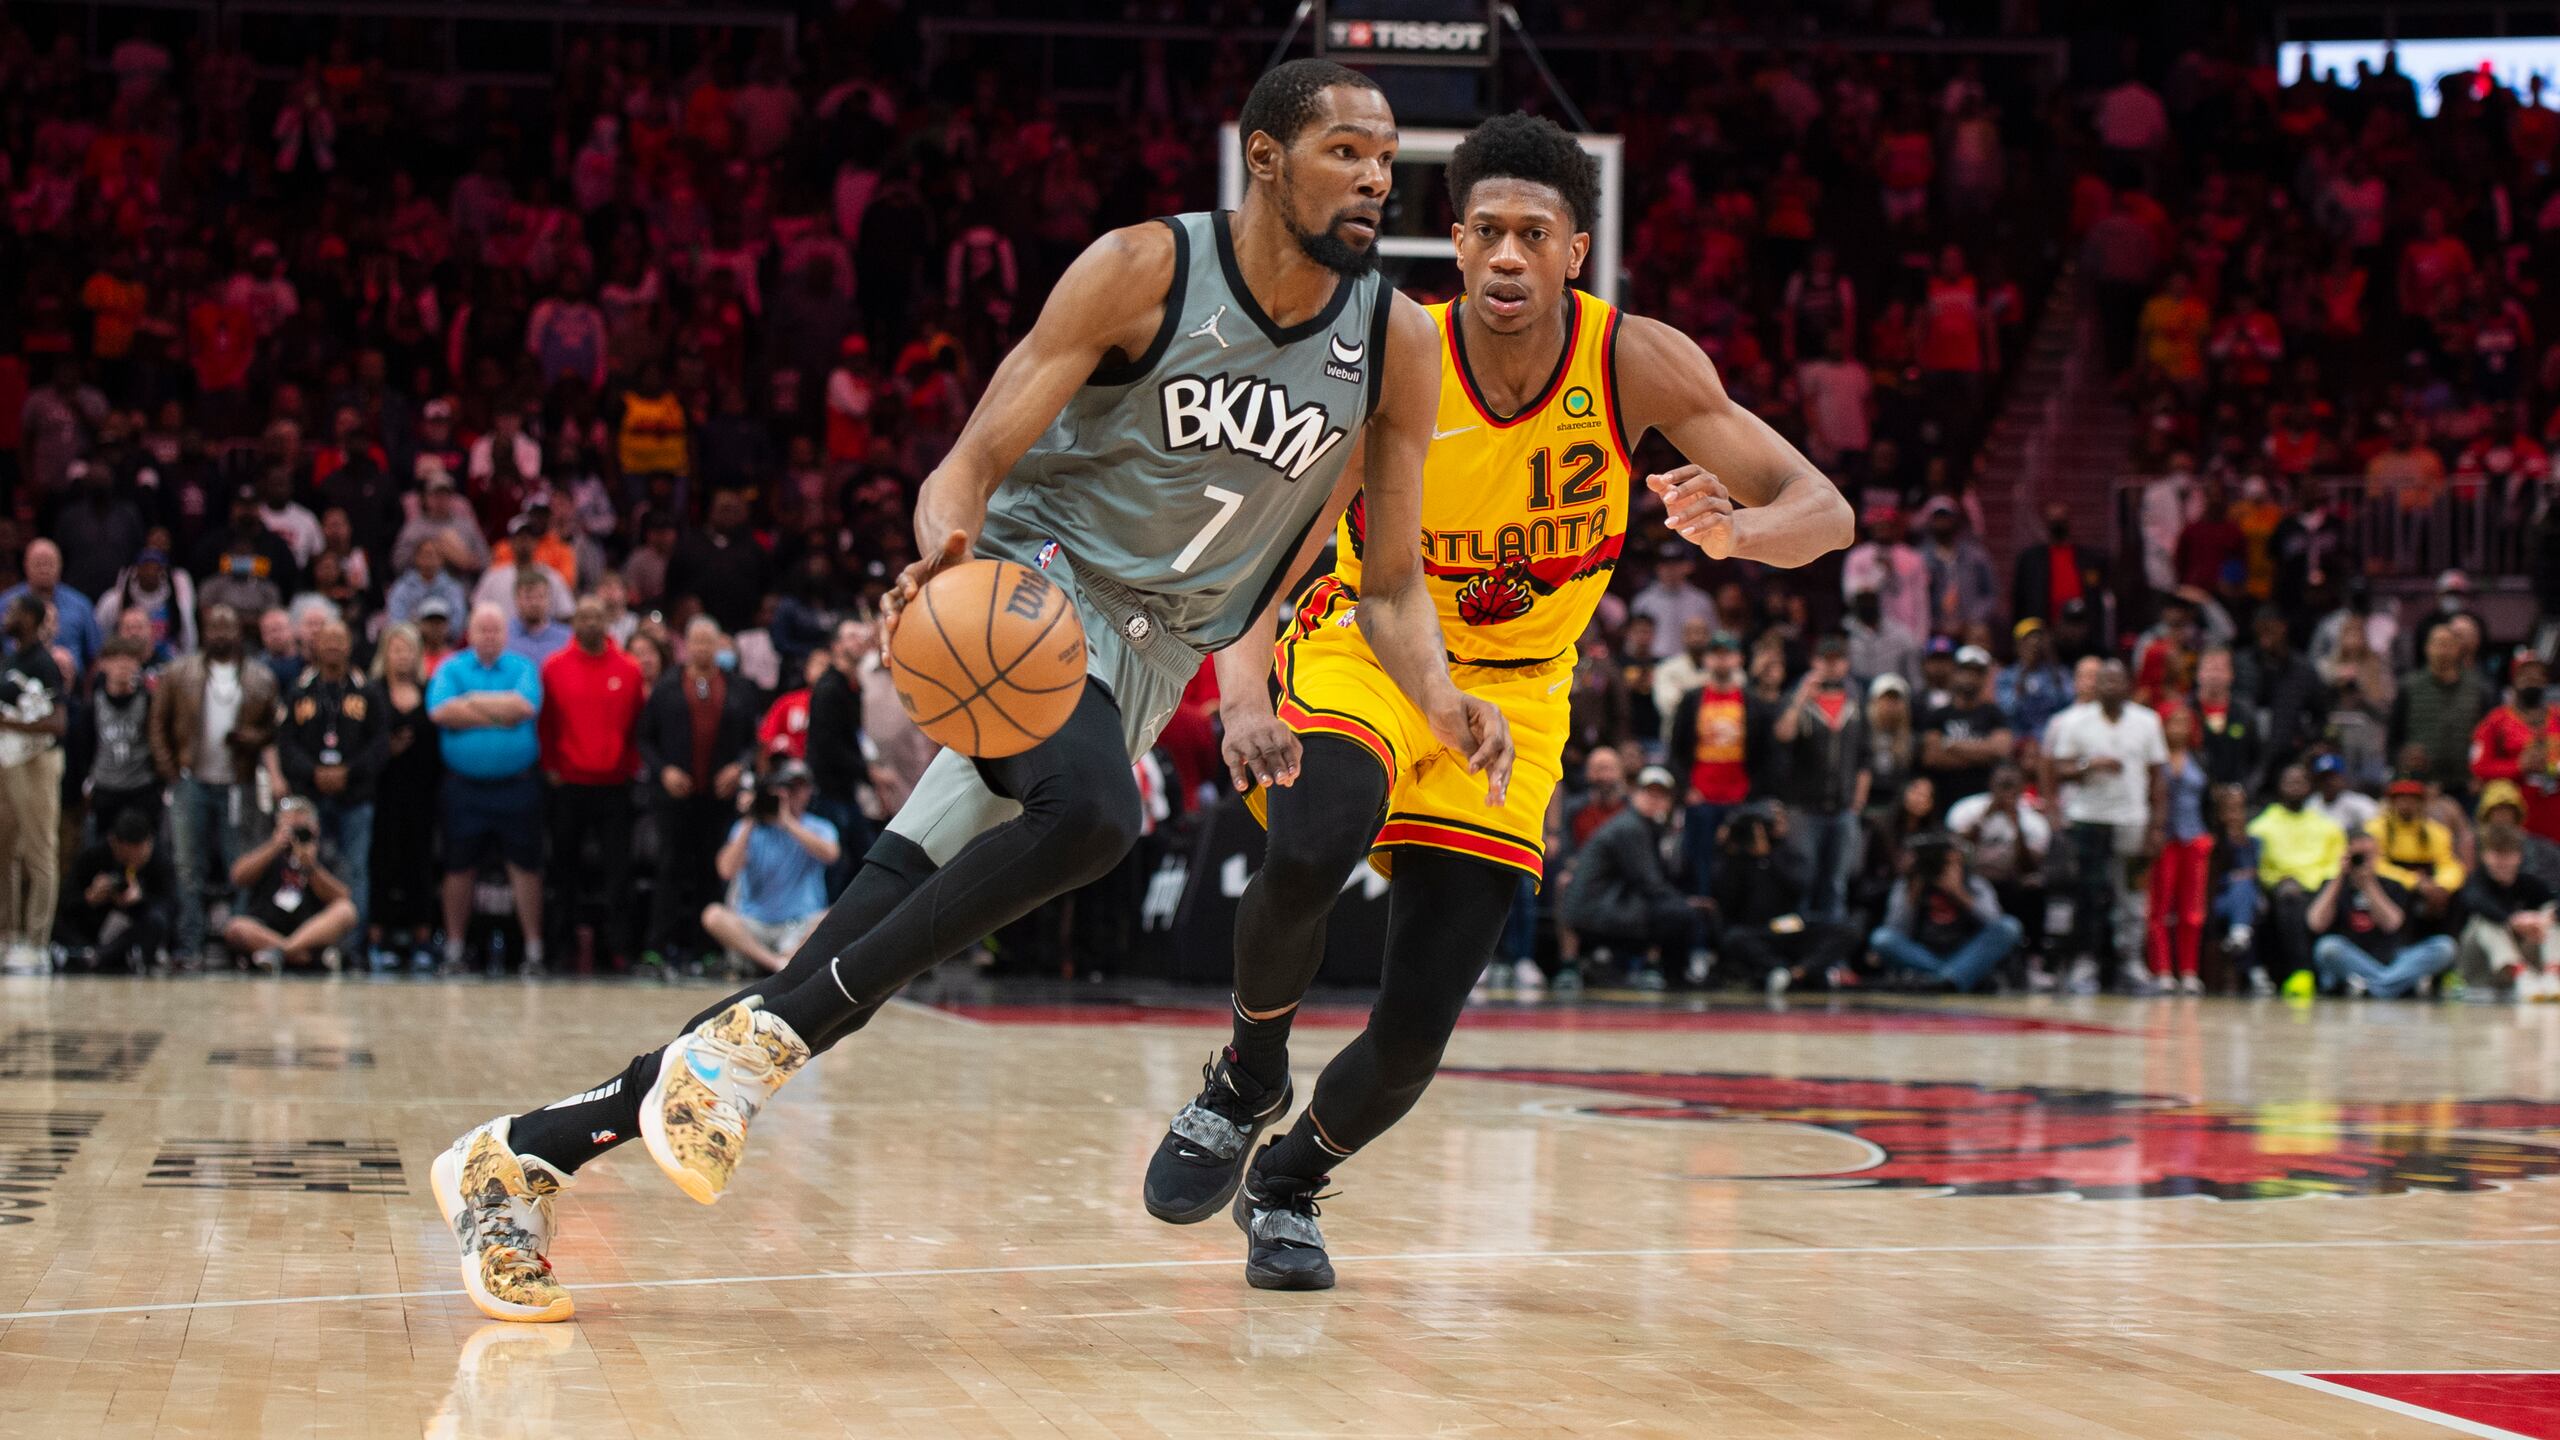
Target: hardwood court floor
{"x":222,"y":1226}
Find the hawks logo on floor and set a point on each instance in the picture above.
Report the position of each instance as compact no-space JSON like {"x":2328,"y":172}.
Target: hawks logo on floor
{"x":1961,"y":1139}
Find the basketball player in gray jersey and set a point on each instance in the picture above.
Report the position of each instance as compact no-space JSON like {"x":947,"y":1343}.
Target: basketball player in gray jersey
{"x":1169,"y":443}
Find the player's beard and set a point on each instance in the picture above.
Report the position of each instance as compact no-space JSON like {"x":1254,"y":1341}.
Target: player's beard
{"x":1329,"y":249}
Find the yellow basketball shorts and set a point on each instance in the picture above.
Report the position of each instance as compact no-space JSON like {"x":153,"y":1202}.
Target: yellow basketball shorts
{"x":1331,"y":684}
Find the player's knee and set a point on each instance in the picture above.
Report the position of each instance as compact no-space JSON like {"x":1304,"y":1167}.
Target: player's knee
{"x":1308,"y":863}
{"x":1092,"y":831}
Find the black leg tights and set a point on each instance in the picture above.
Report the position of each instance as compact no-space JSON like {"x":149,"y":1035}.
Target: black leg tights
{"x":1320,"y":830}
{"x":1444,"y":913}
{"x":901,"y":917}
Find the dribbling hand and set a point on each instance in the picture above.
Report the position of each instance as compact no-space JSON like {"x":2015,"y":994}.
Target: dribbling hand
{"x":1259,"y":750}
{"x":1699,"y":508}
{"x":955,"y":548}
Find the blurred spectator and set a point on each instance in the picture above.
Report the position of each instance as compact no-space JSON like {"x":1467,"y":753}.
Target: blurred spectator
{"x":332,"y":746}
{"x":532,"y":633}
{"x":2033,"y":689}
{"x":1710,"y":726}
{"x":1821,"y":734}
{"x":1893,"y":740}
{"x":696,"y":738}
{"x":498,"y":584}
{"x":2349,"y":810}
{"x":2416,"y":852}
{"x":1963,"y":589}
{"x":117,"y":726}
{"x":426,"y":577}
{"x":2008,"y":842}
{"x":1877,"y":645}
{"x":1622,"y":897}
{"x":2507,"y":941}
{"x":723,"y":565}
{"x":2520,"y":741}
{"x":1943,"y":923}
{"x":165,"y":596}
{"x":1963,"y":739}
{"x":1839,"y":403}
{"x":2439,"y":707}
{"x":294,"y":910}
{"x":775,"y":863}
{"x":75,"y":620}
{"x":1671,"y":600}
{"x":2279,"y":687}
{"x":837,"y":769}
{"x":484,"y":700}
{"x":2104,"y":762}
{"x":2369,"y":942}
{"x":2179,"y":872}
{"x":122,"y":897}
{"x":442,"y":514}
{"x":2299,"y":854}
{"x":211,"y":716}
{"x":99,"y":529}
{"x":34,"y":715}
{"x":2052,"y":575}
{"x":1759,"y":904}
{"x":403,"y":896}
{"x":1886,"y":566}
{"x":1683,"y":670}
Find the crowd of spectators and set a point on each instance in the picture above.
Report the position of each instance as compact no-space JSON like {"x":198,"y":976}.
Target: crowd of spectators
{"x":443,"y":528}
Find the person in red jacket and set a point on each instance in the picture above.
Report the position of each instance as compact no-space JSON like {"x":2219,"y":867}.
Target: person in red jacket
{"x":591,"y":697}
{"x":2520,"y":741}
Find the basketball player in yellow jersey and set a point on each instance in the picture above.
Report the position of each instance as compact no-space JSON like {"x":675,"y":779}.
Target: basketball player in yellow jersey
{"x":1544,"y":393}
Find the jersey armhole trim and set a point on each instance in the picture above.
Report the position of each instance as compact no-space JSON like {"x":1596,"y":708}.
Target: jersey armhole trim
{"x":1380,"y":310}
{"x":1609,"y":390}
{"x":1130,"y":372}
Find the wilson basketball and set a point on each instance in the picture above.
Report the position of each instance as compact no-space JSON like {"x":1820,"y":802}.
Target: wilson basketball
{"x":989,"y":660}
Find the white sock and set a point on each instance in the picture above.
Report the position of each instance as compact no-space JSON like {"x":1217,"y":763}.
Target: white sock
{"x":532,"y":951}
{"x":452,"y":951}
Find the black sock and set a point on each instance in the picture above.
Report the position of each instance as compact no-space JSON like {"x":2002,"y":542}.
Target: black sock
{"x":1301,"y":1154}
{"x":1261,"y":1047}
{"x":568,"y":1133}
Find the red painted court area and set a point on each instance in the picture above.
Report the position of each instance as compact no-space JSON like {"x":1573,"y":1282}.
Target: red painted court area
{"x":1845,"y":1020}
{"x":2509,"y":1403}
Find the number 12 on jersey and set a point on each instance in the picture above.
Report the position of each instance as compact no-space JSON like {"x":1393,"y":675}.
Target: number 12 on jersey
{"x":1582,"y":484}
{"x":1227,"y":502}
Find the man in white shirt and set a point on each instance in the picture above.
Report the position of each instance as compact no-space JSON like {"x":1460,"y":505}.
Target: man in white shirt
{"x":292,"y":522}
{"x":1886,"y":563}
{"x":2106,"y":769}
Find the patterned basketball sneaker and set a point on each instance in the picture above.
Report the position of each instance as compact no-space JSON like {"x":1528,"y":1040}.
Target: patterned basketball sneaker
{"x":1283,"y":1248}
{"x":1201,"y":1158}
{"x":498,"y":1204}
{"x":711,"y":1082}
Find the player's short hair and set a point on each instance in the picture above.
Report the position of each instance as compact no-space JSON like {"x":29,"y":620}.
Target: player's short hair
{"x":1527,"y":147}
{"x":1283,"y":101}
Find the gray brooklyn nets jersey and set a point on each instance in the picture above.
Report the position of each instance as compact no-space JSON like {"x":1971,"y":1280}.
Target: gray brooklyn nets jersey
{"x":1175,"y":488}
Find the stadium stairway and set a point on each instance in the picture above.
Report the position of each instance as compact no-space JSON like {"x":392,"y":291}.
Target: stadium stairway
{"x":2061,"y":434}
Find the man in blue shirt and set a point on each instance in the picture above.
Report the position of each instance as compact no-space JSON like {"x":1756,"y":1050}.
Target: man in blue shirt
{"x":483,"y":701}
{"x":75,"y":619}
{"x":775,"y":865}
{"x":2034,"y":689}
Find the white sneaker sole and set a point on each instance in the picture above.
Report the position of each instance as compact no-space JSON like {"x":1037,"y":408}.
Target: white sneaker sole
{"x":653,"y":1135}
{"x":445,"y":1179}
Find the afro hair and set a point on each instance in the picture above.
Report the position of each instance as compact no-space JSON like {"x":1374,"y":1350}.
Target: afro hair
{"x":1519,"y":146}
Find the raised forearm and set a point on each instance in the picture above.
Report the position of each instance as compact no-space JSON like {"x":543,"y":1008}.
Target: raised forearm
{"x":1807,"y":520}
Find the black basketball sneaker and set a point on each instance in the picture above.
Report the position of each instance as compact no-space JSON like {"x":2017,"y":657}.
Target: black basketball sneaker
{"x":1201,"y":1159}
{"x":1283,"y":1248}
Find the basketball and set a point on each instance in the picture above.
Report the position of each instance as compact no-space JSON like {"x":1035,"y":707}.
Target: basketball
{"x":989,"y":660}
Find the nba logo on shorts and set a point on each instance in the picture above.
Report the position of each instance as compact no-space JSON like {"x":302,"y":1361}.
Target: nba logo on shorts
{"x":1048,"y":552}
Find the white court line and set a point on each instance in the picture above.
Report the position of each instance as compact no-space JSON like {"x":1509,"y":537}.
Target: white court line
{"x":1419,"y":1257}
{"x":2403,"y":1407}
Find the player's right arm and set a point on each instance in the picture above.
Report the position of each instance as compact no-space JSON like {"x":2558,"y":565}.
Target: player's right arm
{"x":1088,"y":318}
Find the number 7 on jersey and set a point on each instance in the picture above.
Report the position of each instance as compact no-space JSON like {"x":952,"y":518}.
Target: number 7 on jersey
{"x":1227,"y":501}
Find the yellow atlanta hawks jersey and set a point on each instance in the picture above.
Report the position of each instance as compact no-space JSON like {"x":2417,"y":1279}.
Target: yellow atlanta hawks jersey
{"x":1522,"y":519}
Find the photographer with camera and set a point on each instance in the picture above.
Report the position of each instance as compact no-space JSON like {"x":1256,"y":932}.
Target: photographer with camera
{"x":120,"y":905}
{"x":775,"y":865}
{"x":2368,"y":943}
{"x":1759,"y":897}
{"x":1945,"y":923}
{"x":295,"y":909}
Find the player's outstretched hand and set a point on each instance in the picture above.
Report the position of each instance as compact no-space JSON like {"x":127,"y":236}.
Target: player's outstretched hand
{"x":955,"y":548}
{"x":1701,"y":511}
{"x":1478,"y":731}
{"x":1259,"y":750}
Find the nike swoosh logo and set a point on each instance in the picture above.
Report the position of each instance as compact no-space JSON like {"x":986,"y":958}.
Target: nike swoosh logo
{"x":1348,"y":354}
{"x":1559,"y":685}
{"x":709,"y":1074}
{"x":1445,"y":434}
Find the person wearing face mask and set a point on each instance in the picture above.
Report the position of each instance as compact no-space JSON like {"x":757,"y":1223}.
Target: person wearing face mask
{"x":2520,"y":741}
{"x":2453,"y":602}
{"x":211,"y":716}
{"x":1878,"y":644}
{"x":2050,"y":576}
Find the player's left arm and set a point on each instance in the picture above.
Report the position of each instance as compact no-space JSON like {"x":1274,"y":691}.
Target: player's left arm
{"x":1397,"y":615}
{"x":1763,"y":500}
{"x":1257,"y":746}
